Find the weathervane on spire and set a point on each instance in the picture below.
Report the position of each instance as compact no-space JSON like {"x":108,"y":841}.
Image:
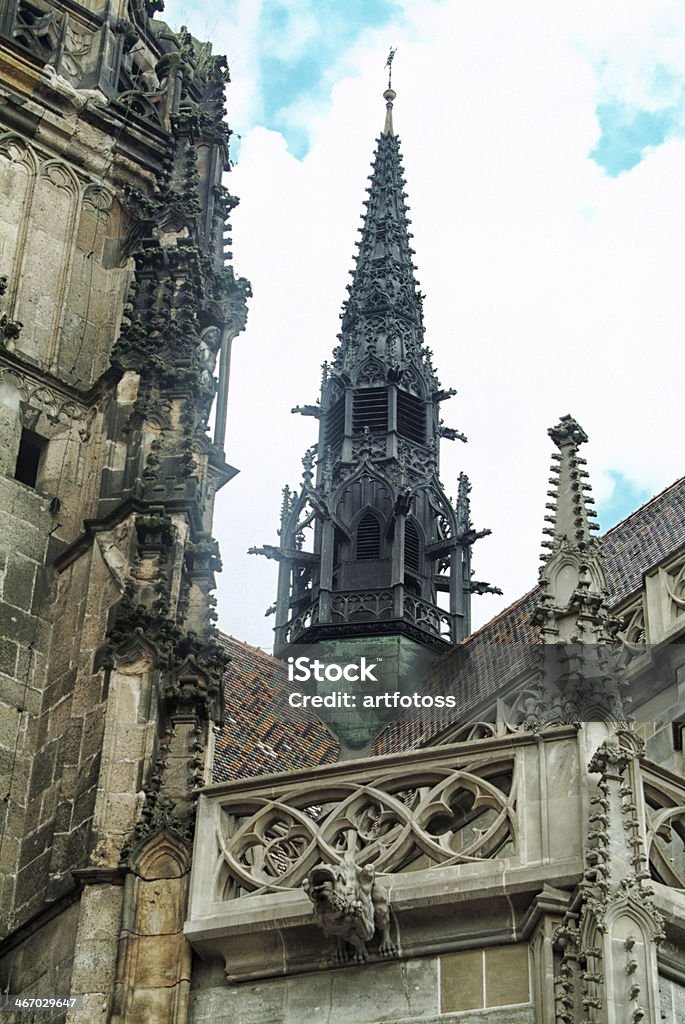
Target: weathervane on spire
{"x":388,"y":64}
{"x":389,"y":94}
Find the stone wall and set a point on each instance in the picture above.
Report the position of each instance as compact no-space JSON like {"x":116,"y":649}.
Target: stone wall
{"x":484,"y":986}
{"x":116,"y":307}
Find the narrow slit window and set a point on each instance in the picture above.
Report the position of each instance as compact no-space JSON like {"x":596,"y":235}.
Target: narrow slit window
{"x":30,"y":457}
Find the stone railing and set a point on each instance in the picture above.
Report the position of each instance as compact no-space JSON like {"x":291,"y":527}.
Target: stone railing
{"x":665,"y":600}
{"x":301,"y":622}
{"x":372,"y":604}
{"x":428,"y":617}
{"x":441,"y":815}
{"x":435,"y":827}
{"x":455,"y":805}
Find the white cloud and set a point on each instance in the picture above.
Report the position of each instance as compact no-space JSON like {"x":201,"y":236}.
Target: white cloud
{"x":551,"y":287}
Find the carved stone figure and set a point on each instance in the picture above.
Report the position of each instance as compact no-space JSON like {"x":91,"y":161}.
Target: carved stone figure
{"x":351,"y":907}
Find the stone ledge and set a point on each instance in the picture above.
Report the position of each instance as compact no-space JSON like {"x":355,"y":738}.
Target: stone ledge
{"x":433,"y":911}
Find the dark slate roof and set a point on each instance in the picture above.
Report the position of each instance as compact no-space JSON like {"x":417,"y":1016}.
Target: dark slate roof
{"x":489,"y":659}
{"x":643,"y":540}
{"x":261,"y":732}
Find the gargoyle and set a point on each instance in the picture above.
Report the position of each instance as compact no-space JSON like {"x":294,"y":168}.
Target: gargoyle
{"x":351,"y":907}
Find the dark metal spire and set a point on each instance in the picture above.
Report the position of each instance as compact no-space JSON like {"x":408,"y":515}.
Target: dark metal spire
{"x":382,"y":320}
{"x":371,"y":545}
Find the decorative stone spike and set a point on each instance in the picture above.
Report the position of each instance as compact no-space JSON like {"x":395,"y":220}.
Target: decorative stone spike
{"x":572,"y":607}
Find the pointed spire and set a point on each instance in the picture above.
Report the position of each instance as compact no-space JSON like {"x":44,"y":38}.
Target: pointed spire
{"x":382,"y":320}
{"x":572,"y":608}
{"x":571,"y":512}
{"x":580,"y":678}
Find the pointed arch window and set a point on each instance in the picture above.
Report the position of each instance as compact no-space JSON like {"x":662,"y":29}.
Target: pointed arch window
{"x":368,"y":537}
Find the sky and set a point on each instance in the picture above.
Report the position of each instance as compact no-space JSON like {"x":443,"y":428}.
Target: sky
{"x":544,"y":151}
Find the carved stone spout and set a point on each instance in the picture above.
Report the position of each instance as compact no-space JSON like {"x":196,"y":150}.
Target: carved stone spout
{"x":351,"y":907}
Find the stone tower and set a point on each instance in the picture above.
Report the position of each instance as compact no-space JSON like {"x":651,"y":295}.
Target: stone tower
{"x":117,"y":305}
{"x":371,"y":546}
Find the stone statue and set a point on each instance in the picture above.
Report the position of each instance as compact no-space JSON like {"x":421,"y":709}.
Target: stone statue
{"x":351,"y":906}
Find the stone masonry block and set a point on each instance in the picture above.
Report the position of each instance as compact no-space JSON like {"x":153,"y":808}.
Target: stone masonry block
{"x":58,"y":719}
{"x":20,"y":578}
{"x":23,"y":628}
{"x":9,"y":724}
{"x":70,"y":743}
{"x":63,"y":815}
{"x":84,"y":807}
{"x":69,"y":849}
{"x":8,"y":656}
{"x":28,"y":507}
{"x":21,"y":536}
{"x":35,"y":844}
{"x":43,"y":768}
{"x":61,"y":685}
{"x":99,"y":927}
{"x":31,"y":885}
{"x":9,"y":855}
{"x":93,"y":730}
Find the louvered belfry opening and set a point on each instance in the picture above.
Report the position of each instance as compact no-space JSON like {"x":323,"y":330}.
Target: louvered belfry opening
{"x":368,"y":537}
{"x":412,"y":547}
{"x":370,"y":409}
{"x":411,"y":417}
{"x":334,"y":429}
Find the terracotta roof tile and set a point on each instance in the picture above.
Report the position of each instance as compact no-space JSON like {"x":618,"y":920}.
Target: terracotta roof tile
{"x":261,"y":732}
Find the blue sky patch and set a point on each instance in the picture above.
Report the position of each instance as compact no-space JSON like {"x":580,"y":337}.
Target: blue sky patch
{"x":627,"y":133}
{"x":325,"y":29}
{"x":625,"y":498}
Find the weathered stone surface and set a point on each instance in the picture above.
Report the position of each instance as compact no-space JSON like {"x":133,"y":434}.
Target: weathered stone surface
{"x":378,"y":992}
{"x":8,"y":656}
{"x":461,"y":981}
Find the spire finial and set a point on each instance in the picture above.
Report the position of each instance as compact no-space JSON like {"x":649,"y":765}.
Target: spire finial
{"x":389,"y":94}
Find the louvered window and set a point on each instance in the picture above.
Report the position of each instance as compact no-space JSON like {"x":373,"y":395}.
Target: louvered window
{"x":411,"y":417}
{"x":368,"y":537}
{"x":370,"y":409}
{"x":412,"y":547}
{"x":335,"y":423}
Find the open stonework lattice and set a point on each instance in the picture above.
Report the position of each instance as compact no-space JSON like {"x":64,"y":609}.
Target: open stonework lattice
{"x":444,"y":815}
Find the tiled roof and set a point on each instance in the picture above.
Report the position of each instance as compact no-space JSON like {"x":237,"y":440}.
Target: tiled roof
{"x":644,"y":539}
{"x":490,"y":658}
{"x":261,"y":732}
